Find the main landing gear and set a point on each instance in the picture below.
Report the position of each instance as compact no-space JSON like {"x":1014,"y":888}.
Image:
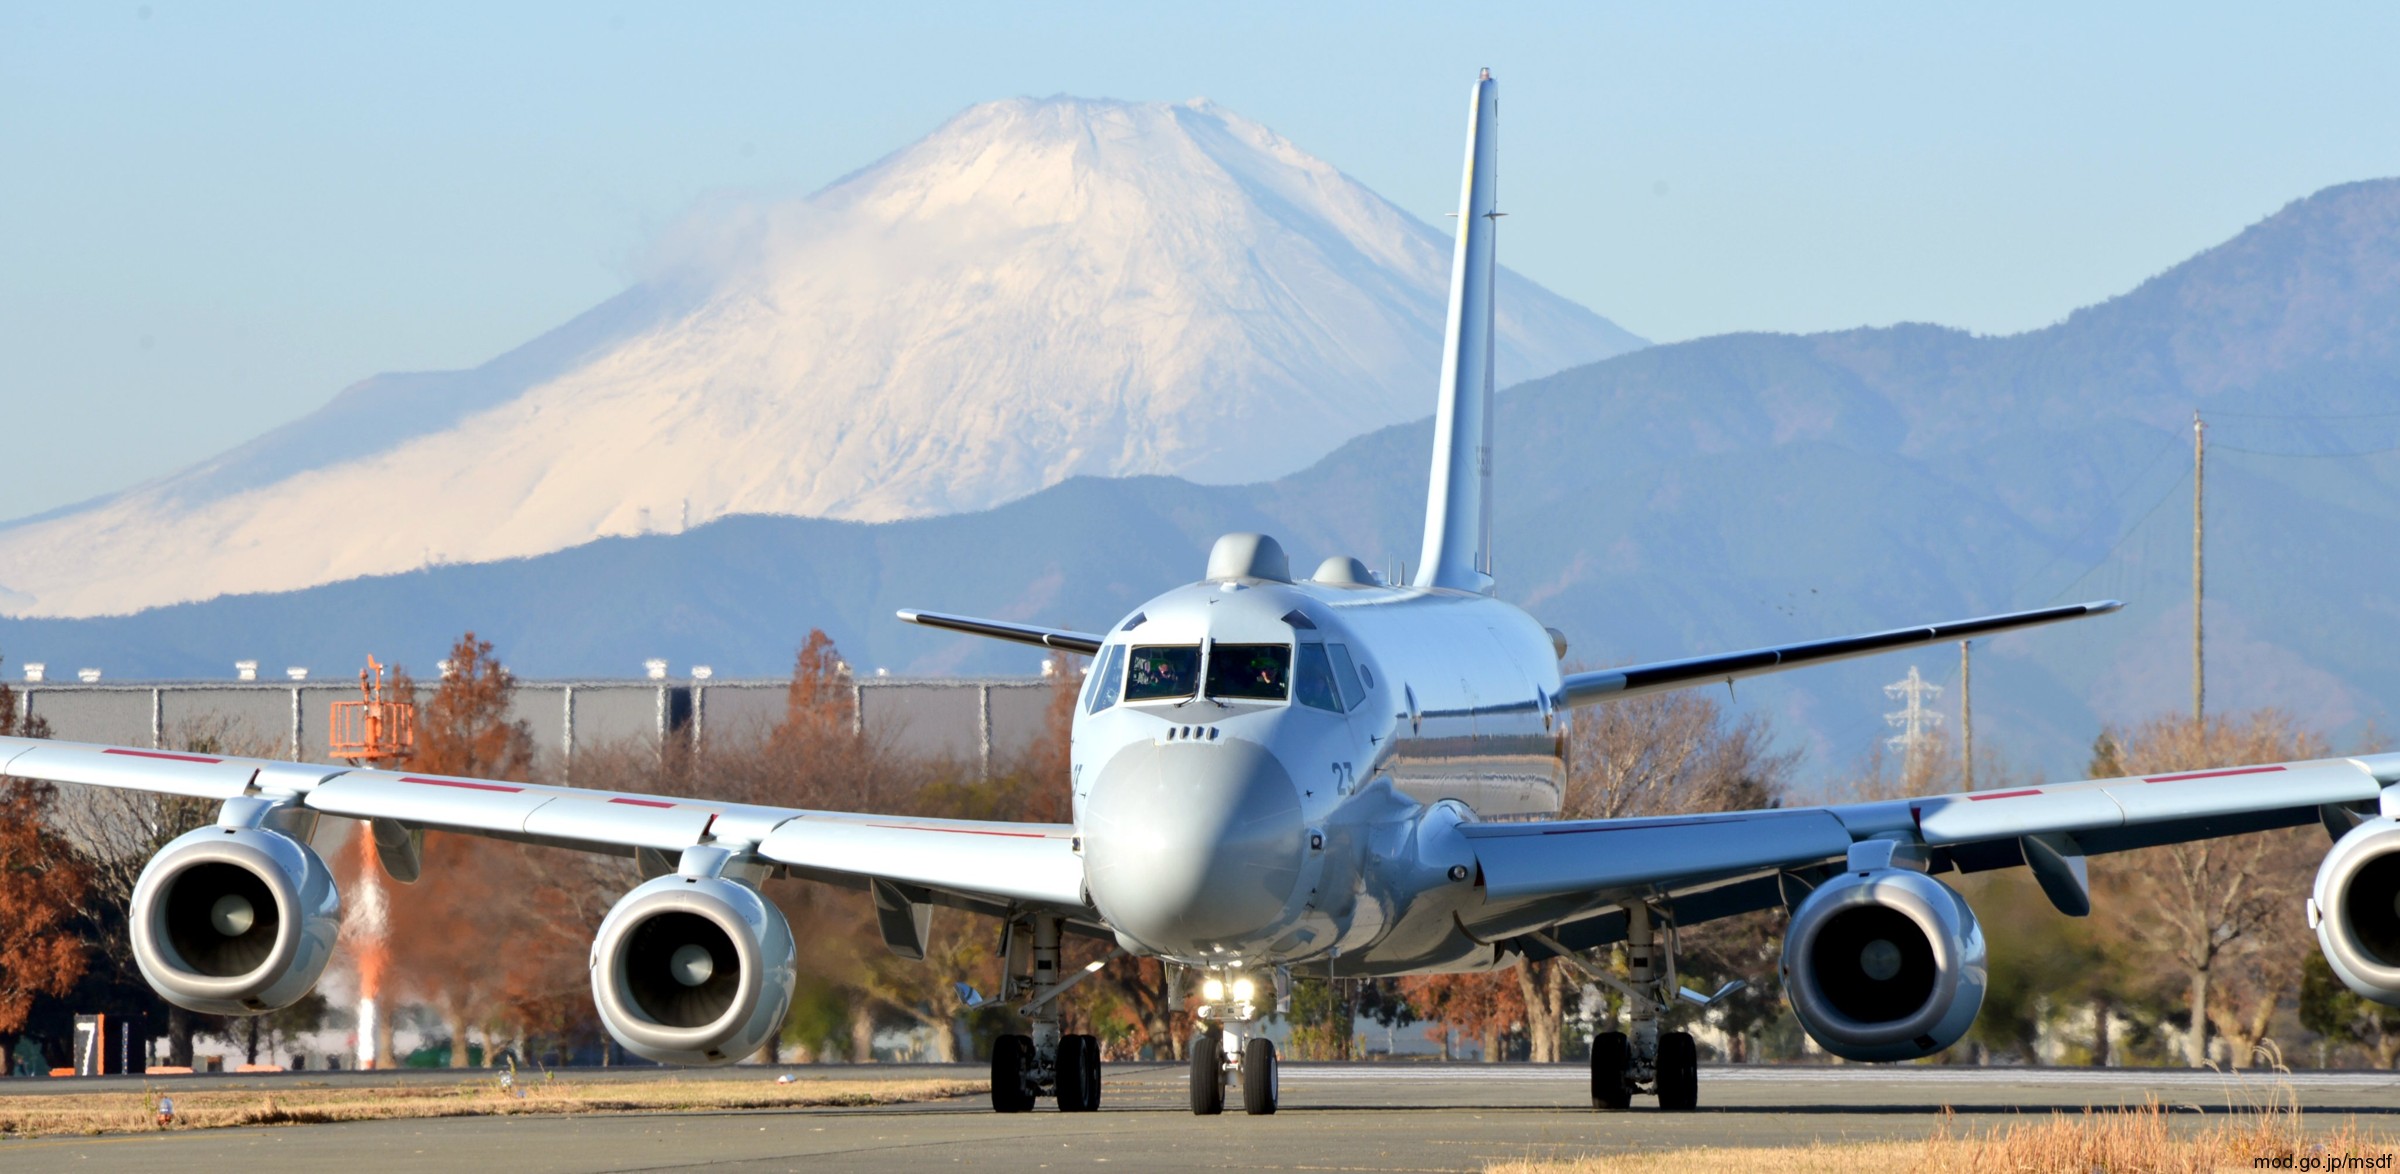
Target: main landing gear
{"x":1225,"y":1050}
{"x":1044,"y":1063}
{"x":1646,"y":1060}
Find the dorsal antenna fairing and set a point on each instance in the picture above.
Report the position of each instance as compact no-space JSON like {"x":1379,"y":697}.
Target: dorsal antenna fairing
{"x":1458,"y":502}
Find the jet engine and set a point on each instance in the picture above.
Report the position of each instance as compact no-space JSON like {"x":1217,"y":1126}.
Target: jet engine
{"x":234,"y":921}
{"x":693,"y":970}
{"x":1886,"y":964}
{"x":2356,"y":909}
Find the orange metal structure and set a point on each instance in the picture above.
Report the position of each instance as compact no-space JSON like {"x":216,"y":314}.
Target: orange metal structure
{"x":375,"y":728}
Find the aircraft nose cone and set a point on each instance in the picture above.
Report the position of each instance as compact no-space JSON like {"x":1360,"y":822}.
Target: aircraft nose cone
{"x":1191,"y":847}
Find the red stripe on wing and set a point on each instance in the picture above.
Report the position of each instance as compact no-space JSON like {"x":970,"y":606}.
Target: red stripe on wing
{"x":2213,"y":774}
{"x":910,"y":827}
{"x":641,"y":802}
{"x":1974,"y":798}
{"x":464,"y":785}
{"x":168,"y":757}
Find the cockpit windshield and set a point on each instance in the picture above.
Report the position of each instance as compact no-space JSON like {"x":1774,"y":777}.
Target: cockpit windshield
{"x":1107,"y":679}
{"x":1316,"y":685}
{"x":1250,"y":672}
{"x":1162,"y":670}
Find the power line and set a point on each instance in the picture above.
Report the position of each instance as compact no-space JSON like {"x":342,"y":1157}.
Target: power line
{"x":2173,"y":443}
{"x":2122,"y":539}
{"x":2219,"y":413}
{"x":2260,"y":452}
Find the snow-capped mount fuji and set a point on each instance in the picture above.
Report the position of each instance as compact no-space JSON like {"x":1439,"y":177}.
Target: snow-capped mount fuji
{"x":1037,"y":290}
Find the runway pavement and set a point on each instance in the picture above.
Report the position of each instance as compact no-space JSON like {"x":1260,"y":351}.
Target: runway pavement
{"x":1345,"y":1117}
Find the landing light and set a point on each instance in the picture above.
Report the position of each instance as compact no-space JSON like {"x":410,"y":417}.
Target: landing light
{"x":1213,"y":990}
{"x":1242,"y":990}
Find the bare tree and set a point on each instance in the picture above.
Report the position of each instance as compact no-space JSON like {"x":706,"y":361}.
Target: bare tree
{"x":2195,"y":908}
{"x":1671,"y":752}
{"x":1661,"y":754}
{"x":117,"y":830}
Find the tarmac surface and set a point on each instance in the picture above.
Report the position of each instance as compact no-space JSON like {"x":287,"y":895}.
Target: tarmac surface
{"x":1372,"y":1117}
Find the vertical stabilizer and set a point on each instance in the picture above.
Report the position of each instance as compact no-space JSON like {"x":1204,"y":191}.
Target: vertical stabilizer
{"x":1458,"y":505}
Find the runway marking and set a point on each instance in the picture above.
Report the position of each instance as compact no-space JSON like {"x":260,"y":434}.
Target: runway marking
{"x":1911,"y":1074}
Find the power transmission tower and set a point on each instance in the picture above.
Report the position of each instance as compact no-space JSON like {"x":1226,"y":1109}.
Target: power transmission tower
{"x":1916,"y":722}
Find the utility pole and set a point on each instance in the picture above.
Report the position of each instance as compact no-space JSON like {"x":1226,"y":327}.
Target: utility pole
{"x":1916,"y":722}
{"x":2199,"y":479}
{"x":1966,"y":711}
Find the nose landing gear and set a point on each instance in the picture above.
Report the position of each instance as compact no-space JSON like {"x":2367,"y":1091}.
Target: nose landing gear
{"x":1225,"y":1050}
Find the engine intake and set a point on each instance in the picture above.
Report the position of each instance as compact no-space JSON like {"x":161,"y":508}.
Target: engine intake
{"x":234,"y":921}
{"x":1886,"y":964}
{"x":693,"y":970}
{"x":2356,"y":906}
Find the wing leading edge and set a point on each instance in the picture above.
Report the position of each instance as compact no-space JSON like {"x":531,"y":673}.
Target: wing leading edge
{"x":1083,"y":643}
{"x":1537,"y":873}
{"x":1633,"y":681}
{"x":1003,"y":863}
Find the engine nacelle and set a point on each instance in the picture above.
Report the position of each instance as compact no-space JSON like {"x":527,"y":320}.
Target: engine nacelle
{"x":693,"y":970}
{"x":2356,"y":907}
{"x":1886,"y":964}
{"x":234,"y":921}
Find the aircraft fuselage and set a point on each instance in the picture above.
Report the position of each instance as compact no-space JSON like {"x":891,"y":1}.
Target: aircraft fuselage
{"x":1263,"y":770}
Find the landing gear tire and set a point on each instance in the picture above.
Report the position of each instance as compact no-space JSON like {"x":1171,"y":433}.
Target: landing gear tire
{"x":1012,"y":1061}
{"x":1208,"y":1073}
{"x":1612,"y":1058}
{"x":1079,"y":1074}
{"x":1261,"y":1086}
{"x":1678,"y":1072}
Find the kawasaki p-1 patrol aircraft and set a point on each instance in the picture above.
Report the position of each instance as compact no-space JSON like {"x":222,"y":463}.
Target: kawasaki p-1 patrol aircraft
{"x":1275,"y":776}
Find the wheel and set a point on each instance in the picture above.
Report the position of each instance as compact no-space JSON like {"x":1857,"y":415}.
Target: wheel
{"x":1012,"y":1060}
{"x":1261,"y":1087}
{"x":1078,"y":1074}
{"x":1208,"y":1073}
{"x":1612,"y":1057}
{"x":1678,"y":1072}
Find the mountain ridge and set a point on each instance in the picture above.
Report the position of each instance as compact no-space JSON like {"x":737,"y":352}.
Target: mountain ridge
{"x":1037,"y":289}
{"x":1701,"y":496}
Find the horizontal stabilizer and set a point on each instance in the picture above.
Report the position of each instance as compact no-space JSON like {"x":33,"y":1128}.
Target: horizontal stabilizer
{"x":1609,"y":684}
{"x":1083,"y":643}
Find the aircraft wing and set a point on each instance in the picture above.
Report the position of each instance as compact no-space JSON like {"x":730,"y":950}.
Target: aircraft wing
{"x":984,"y":862}
{"x":1633,"y":681}
{"x":1084,"y":643}
{"x":1720,"y":864}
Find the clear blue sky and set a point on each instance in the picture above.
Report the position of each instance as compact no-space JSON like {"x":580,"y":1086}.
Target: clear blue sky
{"x":213,"y":218}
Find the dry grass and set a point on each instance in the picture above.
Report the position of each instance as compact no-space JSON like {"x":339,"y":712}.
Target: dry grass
{"x":2132,"y":1141}
{"x":198,"y":1107}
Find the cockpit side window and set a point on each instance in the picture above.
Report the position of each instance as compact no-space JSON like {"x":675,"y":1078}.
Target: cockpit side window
{"x":1312,"y":680}
{"x":1345,"y":673}
{"x":1107,"y":679}
{"x":1162,"y":670}
{"x":1249,"y":672}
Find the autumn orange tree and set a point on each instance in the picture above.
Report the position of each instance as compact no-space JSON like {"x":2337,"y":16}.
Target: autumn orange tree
{"x":468,"y":930}
{"x":1481,"y":1007}
{"x":41,"y":891}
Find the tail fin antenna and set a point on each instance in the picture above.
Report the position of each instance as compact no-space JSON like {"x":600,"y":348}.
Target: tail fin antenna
{"x":1458,"y":503}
